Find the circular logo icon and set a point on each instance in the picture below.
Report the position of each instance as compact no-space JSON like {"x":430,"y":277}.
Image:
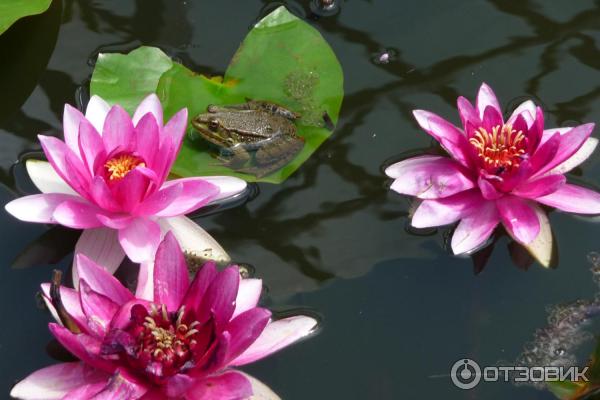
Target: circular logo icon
{"x":465,"y":374}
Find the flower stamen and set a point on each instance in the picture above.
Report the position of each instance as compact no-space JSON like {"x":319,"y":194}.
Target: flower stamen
{"x":165,"y":338}
{"x":502,"y":148}
{"x":118,"y":167}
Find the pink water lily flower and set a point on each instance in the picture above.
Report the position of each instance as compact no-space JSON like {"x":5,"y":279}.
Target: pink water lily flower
{"x":182,"y":344}
{"x":498,"y":171}
{"x":109,"y":175}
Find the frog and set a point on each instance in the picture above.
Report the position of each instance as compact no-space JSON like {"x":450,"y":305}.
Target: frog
{"x":256,"y":137}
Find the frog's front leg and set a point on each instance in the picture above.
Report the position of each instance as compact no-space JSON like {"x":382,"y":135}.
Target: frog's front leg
{"x":235,"y":157}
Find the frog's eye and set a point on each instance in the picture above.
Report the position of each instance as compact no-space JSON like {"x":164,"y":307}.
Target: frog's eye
{"x":213,"y":125}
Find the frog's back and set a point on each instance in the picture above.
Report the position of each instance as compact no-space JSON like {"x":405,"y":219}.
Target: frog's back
{"x":257,"y":126}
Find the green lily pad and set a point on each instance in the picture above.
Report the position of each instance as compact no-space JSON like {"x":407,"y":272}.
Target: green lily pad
{"x":13,"y":10}
{"x":127,"y":79}
{"x":282,"y":59}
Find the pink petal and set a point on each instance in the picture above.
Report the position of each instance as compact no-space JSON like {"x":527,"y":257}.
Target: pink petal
{"x":122,"y":318}
{"x":194,"y":193}
{"x":101,"y":194}
{"x":90,"y":146}
{"x":492,"y":118}
{"x":96,"y":112}
{"x":486,"y":97}
{"x":227,"y":386}
{"x":540,"y":186}
{"x":117,"y":132}
{"x":445,"y":211}
{"x":70,"y":300}
{"x":576,"y":159}
{"x":121,"y":386}
{"x":86,"y":392}
{"x":98,"y":309}
{"x":79,"y":177}
{"x":82,"y":346}
{"x":77,"y":214}
{"x":437,"y":126}
{"x":219,"y":300}
{"x":159,"y":200}
{"x":150,"y":104}
{"x":129,"y":192}
{"x":175,"y":128}
{"x":177,"y":385}
{"x":215,"y":360}
{"x":488,"y":190}
{"x":545,"y":153}
{"x":248,"y":295}
{"x":58,"y":154}
{"x":276,"y":336}
{"x":428,"y":177}
{"x":526,"y":110}
{"x":140,"y":239}
{"x":475,"y":228}
{"x":56,"y":381}
{"x":572,"y":198}
{"x":519,"y":218}
{"x":172,"y":136}
{"x":115,"y":221}
{"x":467,"y":112}
{"x":245,"y":329}
{"x":101,"y":280}
{"x":148,"y":137}
{"x":570,"y":143}
{"x":199,"y":286}
{"x":449,"y":136}
{"x":38,"y":207}
{"x":548,"y":133}
{"x":101,"y":246}
{"x":72,"y":117}
{"x":536,"y":130}
{"x":171,"y":277}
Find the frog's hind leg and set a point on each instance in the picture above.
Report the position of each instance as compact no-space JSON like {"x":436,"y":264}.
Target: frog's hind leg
{"x":234,"y":159}
{"x":270,"y":158}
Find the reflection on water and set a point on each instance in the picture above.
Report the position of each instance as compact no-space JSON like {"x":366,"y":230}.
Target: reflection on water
{"x":420,"y":309}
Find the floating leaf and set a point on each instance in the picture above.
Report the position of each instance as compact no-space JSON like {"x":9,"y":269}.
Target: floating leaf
{"x":282,"y":59}
{"x":127,"y":79}
{"x":13,"y":10}
{"x":35,"y":38}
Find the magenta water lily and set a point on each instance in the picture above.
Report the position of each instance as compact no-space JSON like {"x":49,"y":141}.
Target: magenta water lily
{"x":110,"y":173}
{"x":499,"y":172}
{"x":180,"y":344}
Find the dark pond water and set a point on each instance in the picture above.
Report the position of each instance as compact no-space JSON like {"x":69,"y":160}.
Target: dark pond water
{"x":398,"y":309}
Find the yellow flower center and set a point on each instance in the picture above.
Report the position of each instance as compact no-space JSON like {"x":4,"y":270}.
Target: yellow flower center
{"x":502,"y":148}
{"x":121,"y":165}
